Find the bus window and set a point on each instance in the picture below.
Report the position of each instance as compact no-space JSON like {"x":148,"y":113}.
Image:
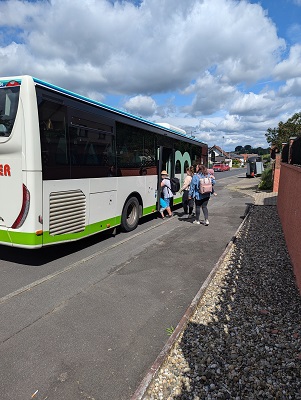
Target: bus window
{"x":91,"y":146}
{"x":54,"y":145}
{"x":9,"y":98}
{"x":177,"y":167}
{"x":196,"y":155}
{"x":135,"y":151}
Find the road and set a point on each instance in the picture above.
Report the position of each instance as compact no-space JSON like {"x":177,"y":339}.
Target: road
{"x":86,"y":320}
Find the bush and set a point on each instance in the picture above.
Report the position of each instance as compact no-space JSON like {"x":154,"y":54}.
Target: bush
{"x":235,"y":163}
{"x":266,"y":182}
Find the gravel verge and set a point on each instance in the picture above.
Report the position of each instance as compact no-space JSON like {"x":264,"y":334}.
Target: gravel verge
{"x":244,"y":339}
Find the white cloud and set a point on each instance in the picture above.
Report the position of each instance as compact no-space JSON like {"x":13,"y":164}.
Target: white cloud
{"x":251,"y":104}
{"x":200,"y":56}
{"x":207,"y":125}
{"x":211,"y":95}
{"x":289,"y":68}
{"x":141,"y":105}
{"x":291,"y":88}
{"x":168,"y":44}
{"x":230,"y":123}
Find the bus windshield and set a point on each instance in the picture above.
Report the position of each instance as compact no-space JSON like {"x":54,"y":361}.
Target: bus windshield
{"x":9,"y":97}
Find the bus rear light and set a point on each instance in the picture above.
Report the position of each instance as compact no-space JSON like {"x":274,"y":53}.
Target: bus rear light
{"x":39,"y":233}
{"x":24,"y":209}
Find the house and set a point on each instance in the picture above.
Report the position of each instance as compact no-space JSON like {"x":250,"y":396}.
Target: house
{"x":239,"y":157}
{"x":217,"y":155}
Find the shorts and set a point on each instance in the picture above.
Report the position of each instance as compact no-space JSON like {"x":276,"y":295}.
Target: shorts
{"x":163,"y":204}
{"x":167,"y":201}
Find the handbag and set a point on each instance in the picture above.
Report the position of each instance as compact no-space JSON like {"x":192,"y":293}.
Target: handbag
{"x":163,"y":203}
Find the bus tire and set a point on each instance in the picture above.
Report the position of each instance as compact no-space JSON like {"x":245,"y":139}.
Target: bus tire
{"x":130,"y":214}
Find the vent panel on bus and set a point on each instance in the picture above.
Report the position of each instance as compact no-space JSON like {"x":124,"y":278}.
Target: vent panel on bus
{"x":67,"y":213}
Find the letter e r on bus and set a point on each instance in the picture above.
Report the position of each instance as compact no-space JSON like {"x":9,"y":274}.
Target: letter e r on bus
{"x":4,"y":170}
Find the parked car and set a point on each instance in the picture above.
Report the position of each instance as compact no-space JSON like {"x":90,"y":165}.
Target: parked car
{"x":217,"y":167}
{"x":220,"y":167}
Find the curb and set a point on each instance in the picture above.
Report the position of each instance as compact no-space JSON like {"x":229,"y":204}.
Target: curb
{"x":152,"y":372}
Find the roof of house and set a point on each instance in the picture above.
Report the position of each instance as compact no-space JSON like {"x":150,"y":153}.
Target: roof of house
{"x":220,"y":150}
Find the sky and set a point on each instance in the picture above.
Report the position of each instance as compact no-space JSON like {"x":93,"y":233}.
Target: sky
{"x":223,"y":70}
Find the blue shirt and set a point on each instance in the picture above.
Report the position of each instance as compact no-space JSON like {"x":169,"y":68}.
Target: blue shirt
{"x":195,"y":187}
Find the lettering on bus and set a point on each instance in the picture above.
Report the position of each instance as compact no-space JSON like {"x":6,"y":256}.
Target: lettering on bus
{"x":4,"y":170}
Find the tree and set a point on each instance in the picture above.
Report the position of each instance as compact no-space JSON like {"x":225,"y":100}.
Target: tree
{"x":239,"y":149}
{"x":285,"y":130}
{"x":248,"y":148}
{"x":260,"y":151}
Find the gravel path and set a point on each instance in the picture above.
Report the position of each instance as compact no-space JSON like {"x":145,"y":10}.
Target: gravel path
{"x":244,"y":339}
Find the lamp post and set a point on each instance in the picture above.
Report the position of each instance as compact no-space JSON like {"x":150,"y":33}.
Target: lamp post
{"x":223,"y":146}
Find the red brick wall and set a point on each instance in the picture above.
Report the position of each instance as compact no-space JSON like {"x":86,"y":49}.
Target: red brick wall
{"x":276,"y":173}
{"x":289,"y":210}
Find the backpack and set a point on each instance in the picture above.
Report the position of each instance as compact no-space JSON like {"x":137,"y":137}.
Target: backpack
{"x":205,"y":185}
{"x":174,"y":185}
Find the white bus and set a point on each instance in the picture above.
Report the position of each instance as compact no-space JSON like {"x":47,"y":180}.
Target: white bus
{"x":71,"y":167}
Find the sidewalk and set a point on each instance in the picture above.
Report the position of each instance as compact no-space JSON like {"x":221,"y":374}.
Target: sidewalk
{"x":261,"y":197}
{"x":241,"y":336}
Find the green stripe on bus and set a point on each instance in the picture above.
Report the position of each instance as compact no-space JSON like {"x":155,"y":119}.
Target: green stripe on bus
{"x":177,"y":200}
{"x":33,"y":240}
{"x":89,"y":230}
{"x":149,"y":210}
{"x":22,"y":238}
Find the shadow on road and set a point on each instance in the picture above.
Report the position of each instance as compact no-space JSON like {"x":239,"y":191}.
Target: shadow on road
{"x":38,"y":257}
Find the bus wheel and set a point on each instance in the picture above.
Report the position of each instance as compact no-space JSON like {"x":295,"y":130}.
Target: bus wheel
{"x":130,"y":214}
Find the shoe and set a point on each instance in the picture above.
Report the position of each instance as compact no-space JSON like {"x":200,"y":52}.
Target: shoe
{"x":190,"y":215}
{"x":206,"y":222}
{"x":196,"y":222}
{"x":169,"y":216}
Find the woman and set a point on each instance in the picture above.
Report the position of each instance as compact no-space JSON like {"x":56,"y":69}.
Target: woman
{"x":187,"y":204}
{"x":201,"y":200}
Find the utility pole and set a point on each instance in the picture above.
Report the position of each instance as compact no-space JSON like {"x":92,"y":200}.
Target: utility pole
{"x":223,"y":146}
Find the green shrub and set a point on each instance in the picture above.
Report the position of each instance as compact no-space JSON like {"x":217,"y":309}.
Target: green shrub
{"x":235,"y":163}
{"x":266,"y":182}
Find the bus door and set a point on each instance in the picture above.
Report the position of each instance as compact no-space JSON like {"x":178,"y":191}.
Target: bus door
{"x":165,"y":162}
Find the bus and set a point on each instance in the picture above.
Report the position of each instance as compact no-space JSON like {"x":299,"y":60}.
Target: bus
{"x":71,"y":166}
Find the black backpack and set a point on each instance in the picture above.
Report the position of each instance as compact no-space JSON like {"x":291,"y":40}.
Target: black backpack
{"x":174,"y":185}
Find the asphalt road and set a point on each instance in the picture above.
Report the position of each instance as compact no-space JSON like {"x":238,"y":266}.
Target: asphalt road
{"x":87,"y":320}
